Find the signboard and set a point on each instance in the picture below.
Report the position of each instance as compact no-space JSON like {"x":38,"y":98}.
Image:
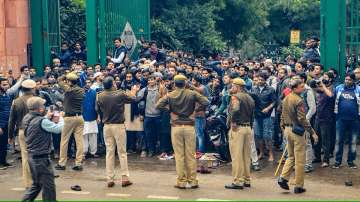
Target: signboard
{"x":129,"y":39}
{"x":295,"y":36}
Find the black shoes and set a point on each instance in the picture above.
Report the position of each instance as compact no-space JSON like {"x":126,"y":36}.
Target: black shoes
{"x":283,"y":183}
{"x":60,"y":167}
{"x":194,"y":186}
{"x":179,"y":187}
{"x":77,"y":168}
{"x":336,"y":166}
{"x":247,"y":185}
{"x":6,"y":165}
{"x":299,"y":190}
{"x":256,"y":167}
{"x":352,"y":165}
{"x":233,"y":186}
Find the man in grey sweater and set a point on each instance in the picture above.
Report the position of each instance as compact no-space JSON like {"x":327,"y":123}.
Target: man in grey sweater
{"x":38,"y":130}
{"x":152,"y":121}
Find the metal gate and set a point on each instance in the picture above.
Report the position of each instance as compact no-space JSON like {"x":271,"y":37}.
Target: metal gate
{"x":340,"y":34}
{"x":106,"y":19}
{"x":353,"y":32}
{"x":45,"y":30}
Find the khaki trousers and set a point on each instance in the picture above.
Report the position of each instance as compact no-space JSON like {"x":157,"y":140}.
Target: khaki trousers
{"x":74,"y":124}
{"x":115,"y":136}
{"x":239,"y":144}
{"x":25,"y":160}
{"x":296,"y":157}
{"x":184,"y":143}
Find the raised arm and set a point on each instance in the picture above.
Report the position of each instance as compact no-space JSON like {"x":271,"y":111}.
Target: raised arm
{"x":52,"y":127}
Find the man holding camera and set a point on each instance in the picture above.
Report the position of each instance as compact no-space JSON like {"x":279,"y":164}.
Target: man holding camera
{"x":38,"y":130}
{"x":294,"y":125}
{"x":325,"y":117}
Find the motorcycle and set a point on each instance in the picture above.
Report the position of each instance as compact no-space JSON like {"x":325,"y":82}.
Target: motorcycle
{"x":216,"y":129}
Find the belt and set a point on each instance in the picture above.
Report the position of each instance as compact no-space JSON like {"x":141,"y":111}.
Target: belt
{"x":71,"y":115}
{"x":182,"y":123}
{"x":41,"y":156}
{"x":185,"y":124}
{"x":243,"y":124}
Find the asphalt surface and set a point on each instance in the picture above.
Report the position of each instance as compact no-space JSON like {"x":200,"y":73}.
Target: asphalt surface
{"x":154,"y":179}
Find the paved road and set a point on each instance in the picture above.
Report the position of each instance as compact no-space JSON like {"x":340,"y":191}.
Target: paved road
{"x":154,"y":179}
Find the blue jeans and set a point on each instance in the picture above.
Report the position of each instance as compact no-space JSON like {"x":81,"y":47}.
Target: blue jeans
{"x":263,"y":128}
{"x":100,"y":139}
{"x":152,"y":129}
{"x":344,"y":127}
{"x":135,"y":140}
{"x":200,"y":135}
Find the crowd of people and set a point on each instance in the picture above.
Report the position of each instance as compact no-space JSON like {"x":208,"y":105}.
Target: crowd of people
{"x":77,"y":99}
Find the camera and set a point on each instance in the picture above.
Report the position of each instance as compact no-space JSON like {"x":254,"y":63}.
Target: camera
{"x":316,"y":83}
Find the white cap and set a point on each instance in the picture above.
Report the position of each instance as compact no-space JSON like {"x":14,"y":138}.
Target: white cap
{"x":97,"y":74}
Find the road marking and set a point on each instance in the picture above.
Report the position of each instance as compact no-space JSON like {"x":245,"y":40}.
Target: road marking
{"x":117,"y":194}
{"x":209,"y":199}
{"x":163,"y":197}
{"x":18,"y":189}
{"x":76,"y":192}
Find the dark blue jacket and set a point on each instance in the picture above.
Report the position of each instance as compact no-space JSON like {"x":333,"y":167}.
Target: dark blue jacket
{"x":5,"y":106}
{"x":89,"y":112}
{"x":65,"y":57}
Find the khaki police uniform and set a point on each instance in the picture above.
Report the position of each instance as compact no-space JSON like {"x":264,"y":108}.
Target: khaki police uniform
{"x":73,"y":121}
{"x":181,"y":104}
{"x":18,"y":111}
{"x":293,"y":113}
{"x":241,"y":111}
{"x":110,"y":106}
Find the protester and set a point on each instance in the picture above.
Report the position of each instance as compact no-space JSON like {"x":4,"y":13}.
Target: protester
{"x":75,"y":89}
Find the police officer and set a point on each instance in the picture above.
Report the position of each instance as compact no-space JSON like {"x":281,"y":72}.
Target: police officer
{"x":181,"y":103}
{"x":241,"y":111}
{"x":110,"y":106}
{"x":73,"y":121}
{"x":294,"y":124}
{"x":38,"y":130}
{"x":18,"y":111}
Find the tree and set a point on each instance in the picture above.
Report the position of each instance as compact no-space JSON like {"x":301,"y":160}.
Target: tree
{"x":285,"y":15}
{"x":240,"y":20}
{"x":72,"y":21}
{"x":193,"y":23}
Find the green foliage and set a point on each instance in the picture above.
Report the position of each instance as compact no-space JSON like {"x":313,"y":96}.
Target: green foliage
{"x":72,"y":21}
{"x":241,"y":19}
{"x":193,"y":23}
{"x":208,"y":24}
{"x":285,"y":15}
{"x":250,"y":48}
{"x":291,"y":50}
{"x":164,"y":35}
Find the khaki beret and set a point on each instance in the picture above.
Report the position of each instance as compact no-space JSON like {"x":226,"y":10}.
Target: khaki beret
{"x":35,"y":102}
{"x":180,"y":77}
{"x":28,"y":83}
{"x":72,"y":76}
{"x":239,"y":81}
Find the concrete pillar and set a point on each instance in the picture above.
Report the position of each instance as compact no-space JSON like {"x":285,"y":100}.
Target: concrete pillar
{"x":14,"y":34}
